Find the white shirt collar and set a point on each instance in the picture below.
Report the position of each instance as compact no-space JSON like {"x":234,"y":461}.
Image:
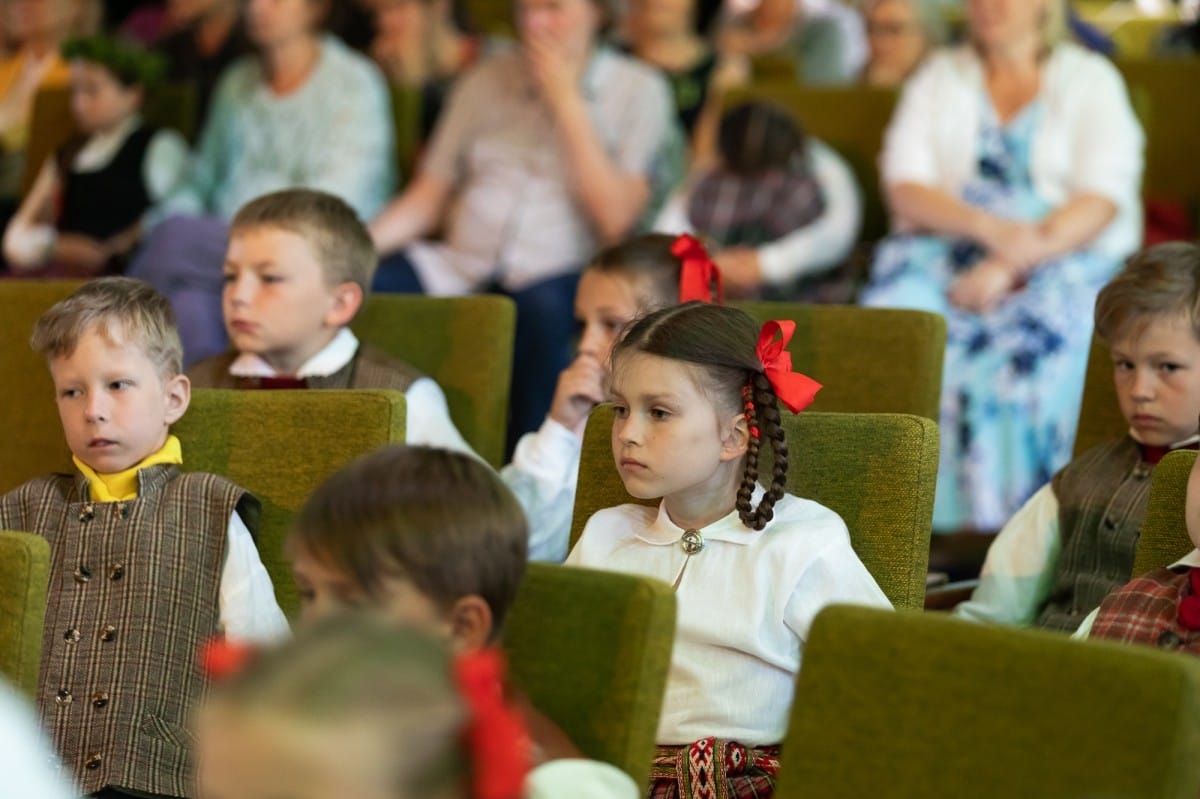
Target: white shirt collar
{"x":332,"y":357}
{"x":1189,"y":440}
{"x":1191,"y":559}
{"x":664,"y":532}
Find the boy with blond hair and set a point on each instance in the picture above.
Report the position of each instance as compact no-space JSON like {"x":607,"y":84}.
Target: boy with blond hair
{"x":1074,"y":541}
{"x":147,"y":562}
{"x":297,"y":271}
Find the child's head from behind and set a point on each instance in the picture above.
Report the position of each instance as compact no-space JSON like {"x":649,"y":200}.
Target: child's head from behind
{"x":108,"y":80}
{"x":623,"y":282}
{"x":427,"y":536}
{"x":298,"y":268}
{"x":116,"y":362}
{"x":758,"y":136}
{"x":1149,"y":314}
{"x":691,"y":406}
{"x":351,"y":707}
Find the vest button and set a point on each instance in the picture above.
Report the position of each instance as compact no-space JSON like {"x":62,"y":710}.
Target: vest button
{"x":1167,"y":639}
{"x":108,"y":632}
{"x":116,"y":571}
{"x":63,"y":698}
{"x":83,"y":574}
{"x":100,"y":699}
{"x":94,"y":761}
{"x":87,"y":513}
{"x":72,"y":636}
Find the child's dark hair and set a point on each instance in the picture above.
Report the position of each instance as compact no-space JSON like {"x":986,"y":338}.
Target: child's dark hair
{"x":338,"y":238}
{"x":648,"y":259}
{"x":720,"y":343}
{"x":441,"y":519}
{"x":125,"y":59}
{"x":758,"y":136}
{"x":1158,"y":282}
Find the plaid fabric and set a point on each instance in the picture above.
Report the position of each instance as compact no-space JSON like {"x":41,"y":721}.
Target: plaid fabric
{"x":133,"y":592}
{"x":1102,"y":497}
{"x":714,"y":769}
{"x":751,"y":211}
{"x":369,"y":368}
{"x":1146,"y":611}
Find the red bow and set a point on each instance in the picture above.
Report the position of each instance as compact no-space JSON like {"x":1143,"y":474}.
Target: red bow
{"x":793,"y":389}
{"x":697,"y":272}
{"x":496,"y":737}
{"x":221,"y":658}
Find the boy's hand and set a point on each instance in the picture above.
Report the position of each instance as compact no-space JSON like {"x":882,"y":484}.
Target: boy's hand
{"x":981,"y":288}
{"x":81,"y":254}
{"x":580,"y":388}
{"x":556,"y":70}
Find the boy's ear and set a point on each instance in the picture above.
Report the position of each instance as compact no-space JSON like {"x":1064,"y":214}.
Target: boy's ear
{"x":347,"y":299}
{"x":179,"y":395}
{"x":735,"y":437}
{"x":470,"y":623}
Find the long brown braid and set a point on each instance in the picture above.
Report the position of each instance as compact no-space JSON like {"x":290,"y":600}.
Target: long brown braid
{"x":720,"y":342}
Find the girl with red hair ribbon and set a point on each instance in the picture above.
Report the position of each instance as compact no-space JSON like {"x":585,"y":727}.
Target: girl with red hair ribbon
{"x":620,"y":284}
{"x":696,"y":391}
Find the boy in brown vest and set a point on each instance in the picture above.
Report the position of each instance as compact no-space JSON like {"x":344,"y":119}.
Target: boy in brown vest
{"x":298,"y":268}
{"x":146,"y":562}
{"x":1160,"y":608}
{"x":1074,"y":540}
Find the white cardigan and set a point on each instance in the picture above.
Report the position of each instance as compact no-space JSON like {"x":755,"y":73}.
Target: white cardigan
{"x":1087,"y":138}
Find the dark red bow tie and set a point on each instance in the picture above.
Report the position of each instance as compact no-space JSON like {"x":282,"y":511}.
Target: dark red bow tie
{"x":282,"y":382}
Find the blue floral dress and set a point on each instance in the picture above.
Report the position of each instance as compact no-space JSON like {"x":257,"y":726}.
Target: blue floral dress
{"x":1012,"y":377}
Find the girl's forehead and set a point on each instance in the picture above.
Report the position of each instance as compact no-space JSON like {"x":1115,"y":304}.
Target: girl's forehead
{"x":645,"y":373}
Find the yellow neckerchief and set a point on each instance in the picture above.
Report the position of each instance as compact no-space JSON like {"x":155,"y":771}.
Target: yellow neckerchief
{"x":124,"y":485}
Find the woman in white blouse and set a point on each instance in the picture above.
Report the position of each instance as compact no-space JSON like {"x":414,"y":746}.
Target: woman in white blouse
{"x":1012,"y":169}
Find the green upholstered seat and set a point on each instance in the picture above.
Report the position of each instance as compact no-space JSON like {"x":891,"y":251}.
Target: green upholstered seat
{"x":280,"y":445}
{"x":1164,"y":537}
{"x":914,"y":705}
{"x":592,"y":650}
{"x":1100,"y":417}
{"x":877,"y":471}
{"x":870,"y":360}
{"x":851,"y":120}
{"x":464,"y":343}
{"x":33,"y":436}
{"x":24,"y":575}
{"x":1171,"y":88}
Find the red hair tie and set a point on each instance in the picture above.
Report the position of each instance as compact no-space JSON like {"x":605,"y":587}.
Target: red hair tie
{"x":697,"y":272}
{"x":496,"y":737}
{"x":221,"y":658}
{"x":793,"y":389}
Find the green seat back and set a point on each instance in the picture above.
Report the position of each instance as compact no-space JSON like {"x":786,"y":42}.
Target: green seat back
{"x":24,"y":577}
{"x":1100,"y":417}
{"x":280,"y":445}
{"x":464,"y":343}
{"x":851,"y":120}
{"x":33,"y":436}
{"x":408,"y":113}
{"x":170,"y":105}
{"x":1172,"y":89}
{"x":912,"y":705}
{"x":869,"y":360}
{"x":1164,"y":536}
{"x":592,"y":650}
{"x":877,"y":471}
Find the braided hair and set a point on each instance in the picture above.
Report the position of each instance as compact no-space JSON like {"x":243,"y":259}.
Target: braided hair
{"x":720,"y":342}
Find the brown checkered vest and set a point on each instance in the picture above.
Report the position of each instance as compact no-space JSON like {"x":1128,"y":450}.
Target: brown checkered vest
{"x":1146,"y":611}
{"x":133,"y":592}
{"x":1102,"y":497}
{"x":369,"y":368}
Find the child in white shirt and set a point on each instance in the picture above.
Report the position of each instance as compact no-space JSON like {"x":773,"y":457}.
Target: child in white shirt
{"x":694,"y":397}
{"x":640,"y":275}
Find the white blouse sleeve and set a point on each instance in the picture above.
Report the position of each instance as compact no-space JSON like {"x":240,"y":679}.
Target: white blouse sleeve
{"x":166,"y":163}
{"x":909,"y":146}
{"x":249,"y":611}
{"x":428,"y":419}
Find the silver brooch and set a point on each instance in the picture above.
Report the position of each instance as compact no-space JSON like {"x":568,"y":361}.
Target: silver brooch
{"x":692,"y":542}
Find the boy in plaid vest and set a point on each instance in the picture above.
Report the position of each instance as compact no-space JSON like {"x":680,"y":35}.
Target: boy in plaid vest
{"x":1073,"y":542}
{"x":147,"y":562}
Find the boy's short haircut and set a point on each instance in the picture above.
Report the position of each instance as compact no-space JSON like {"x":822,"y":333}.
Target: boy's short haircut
{"x":124,"y":311}
{"x":443,"y":520}
{"x":339,"y":240}
{"x":1160,"y":281}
